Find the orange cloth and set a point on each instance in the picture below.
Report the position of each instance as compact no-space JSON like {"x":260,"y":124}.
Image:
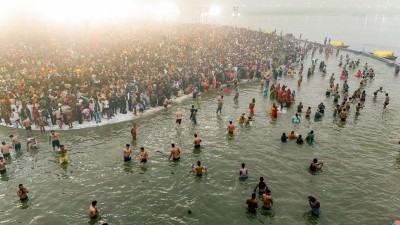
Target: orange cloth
{"x":274,"y":112}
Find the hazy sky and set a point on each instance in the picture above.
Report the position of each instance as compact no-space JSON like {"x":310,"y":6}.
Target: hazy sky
{"x":160,"y":9}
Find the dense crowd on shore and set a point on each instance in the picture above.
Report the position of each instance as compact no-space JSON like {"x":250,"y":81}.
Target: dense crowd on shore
{"x":57,"y":80}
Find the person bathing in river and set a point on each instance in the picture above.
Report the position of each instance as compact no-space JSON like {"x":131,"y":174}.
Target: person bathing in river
{"x":296,"y":119}
{"x":315,"y":165}
{"x":243,"y":174}
{"x":292,"y":135}
{"x":196,"y":141}
{"x":175,"y":153}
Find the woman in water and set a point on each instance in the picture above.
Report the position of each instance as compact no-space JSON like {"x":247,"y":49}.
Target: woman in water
{"x":243,"y":172}
{"x":296,"y":119}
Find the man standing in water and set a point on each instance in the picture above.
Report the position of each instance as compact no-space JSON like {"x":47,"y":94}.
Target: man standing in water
{"x":251,"y":106}
{"x":198,"y":169}
{"x":15,"y":142}
{"x":267,"y":200}
{"x":236,"y":98}
{"x":315,"y":205}
{"x":230,"y":128}
{"x":262,"y":186}
{"x":3,"y":164}
{"x":127,"y":153}
{"x":343,"y":115}
{"x":252,"y":204}
{"x":387,"y":98}
{"x":220,"y":104}
{"x":143,"y":155}
{"x":192,"y":111}
{"x":196,"y":141}
{"x":179,"y":116}
{"x":175,"y":153}
{"x":93,"y":212}
{"x":22,"y":192}
{"x":5,"y":149}
{"x":133,"y":132}
{"x":54,"y":139}
{"x":27,"y":124}
{"x":310,"y":137}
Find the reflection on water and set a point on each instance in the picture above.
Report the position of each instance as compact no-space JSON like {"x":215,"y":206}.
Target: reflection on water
{"x":26,"y":203}
{"x":128,"y":168}
{"x":310,"y":218}
{"x":5,"y":177}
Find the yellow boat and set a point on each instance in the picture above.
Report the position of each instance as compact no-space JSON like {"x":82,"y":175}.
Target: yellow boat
{"x":339,"y":44}
{"x":385,"y":54}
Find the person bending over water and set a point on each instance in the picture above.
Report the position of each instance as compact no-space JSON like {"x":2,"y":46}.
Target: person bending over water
{"x":243,"y":172}
{"x":63,"y":155}
{"x":315,"y":205}
{"x":315,"y":165}
{"x":15,"y":142}
{"x":242,"y":118}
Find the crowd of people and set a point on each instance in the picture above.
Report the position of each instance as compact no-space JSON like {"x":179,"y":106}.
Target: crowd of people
{"x":73,"y":81}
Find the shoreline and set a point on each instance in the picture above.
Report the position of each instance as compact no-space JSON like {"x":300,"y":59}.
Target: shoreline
{"x":388,"y":62}
{"x":116,"y":119}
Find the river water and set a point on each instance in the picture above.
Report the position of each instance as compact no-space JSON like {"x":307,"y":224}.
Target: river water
{"x":358,"y":185}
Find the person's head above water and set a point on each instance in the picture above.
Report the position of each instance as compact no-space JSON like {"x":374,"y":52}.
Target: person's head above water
{"x":198,"y":163}
{"x":315,"y":160}
{"x":243,"y":165}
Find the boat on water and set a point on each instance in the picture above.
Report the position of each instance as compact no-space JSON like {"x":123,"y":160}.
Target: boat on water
{"x":338,"y":44}
{"x":385,"y":54}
